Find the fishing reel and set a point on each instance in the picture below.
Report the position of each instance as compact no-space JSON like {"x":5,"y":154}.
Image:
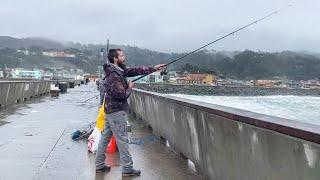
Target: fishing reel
{"x":164,"y":71}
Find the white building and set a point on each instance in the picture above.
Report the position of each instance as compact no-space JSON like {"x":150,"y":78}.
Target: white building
{"x":27,"y":74}
{"x":142,"y":80}
{"x":156,"y":77}
{"x":47,"y":75}
{"x":152,"y":78}
{"x":26,"y":52}
{"x":59,"y":54}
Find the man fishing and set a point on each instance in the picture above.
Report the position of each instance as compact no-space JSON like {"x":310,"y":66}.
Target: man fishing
{"x":118,"y":91}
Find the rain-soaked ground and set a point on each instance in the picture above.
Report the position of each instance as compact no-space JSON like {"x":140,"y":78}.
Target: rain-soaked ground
{"x":35,"y":143}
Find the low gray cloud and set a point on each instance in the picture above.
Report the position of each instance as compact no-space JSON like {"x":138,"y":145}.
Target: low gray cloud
{"x":166,"y":25}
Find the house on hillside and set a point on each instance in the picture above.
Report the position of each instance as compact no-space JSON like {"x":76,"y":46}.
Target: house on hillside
{"x":197,"y":78}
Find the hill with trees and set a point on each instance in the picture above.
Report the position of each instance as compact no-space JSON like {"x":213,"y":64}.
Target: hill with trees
{"x":237,"y":65}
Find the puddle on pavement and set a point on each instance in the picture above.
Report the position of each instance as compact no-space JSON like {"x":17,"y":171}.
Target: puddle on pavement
{"x":3,"y":122}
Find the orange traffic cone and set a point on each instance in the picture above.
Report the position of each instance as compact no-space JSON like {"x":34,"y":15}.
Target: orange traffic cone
{"x":112,"y":146}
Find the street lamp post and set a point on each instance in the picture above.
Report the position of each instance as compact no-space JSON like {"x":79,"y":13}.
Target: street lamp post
{"x":107,"y":45}
{"x":102,"y":52}
{"x":101,"y":62}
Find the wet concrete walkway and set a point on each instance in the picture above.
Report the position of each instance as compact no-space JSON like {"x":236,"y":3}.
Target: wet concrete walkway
{"x":35,"y":143}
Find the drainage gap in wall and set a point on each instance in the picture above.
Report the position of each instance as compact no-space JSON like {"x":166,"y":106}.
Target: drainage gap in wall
{"x":18,"y":100}
{"x":0,"y":106}
{"x":31,"y":97}
{"x":183,"y":156}
{"x":25,"y":99}
{"x":191,"y":165}
{"x":163,"y":140}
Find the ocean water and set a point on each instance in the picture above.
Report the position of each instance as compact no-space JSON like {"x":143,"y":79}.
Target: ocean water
{"x":299,"y":108}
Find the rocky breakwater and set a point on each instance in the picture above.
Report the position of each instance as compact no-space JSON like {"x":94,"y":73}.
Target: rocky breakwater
{"x":225,"y":91}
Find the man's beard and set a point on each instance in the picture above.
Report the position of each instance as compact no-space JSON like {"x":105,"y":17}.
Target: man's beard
{"x":122,"y":66}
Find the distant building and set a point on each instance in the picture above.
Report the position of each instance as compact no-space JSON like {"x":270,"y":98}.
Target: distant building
{"x":79,"y":71}
{"x":223,"y":82}
{"x":47,"y":75}
{"x":24,"y":51}
{"x":27,"y":74}
{"x":155,"y":77}
{"x":268,"y":83}
{"x":173,"y":80}
{"x":239,"y":83}
{"x":173,"y":74}
{"x":203,"y":79}
{"x":152,"y":78}
{"x":293,"y":84}
{"x":79,"y":77}
{"x":59,"y":54}
{"x":142,"y":80}
{"x":91,"y":77}
{"x":312,"y":84}
{"x":58,"y":74}
{"x":69,"y":75}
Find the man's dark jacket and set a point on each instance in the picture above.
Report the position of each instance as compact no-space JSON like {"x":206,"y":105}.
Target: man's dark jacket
{"x":116,"y":86}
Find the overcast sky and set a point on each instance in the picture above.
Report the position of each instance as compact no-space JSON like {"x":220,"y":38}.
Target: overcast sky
{"x":166,"y":25}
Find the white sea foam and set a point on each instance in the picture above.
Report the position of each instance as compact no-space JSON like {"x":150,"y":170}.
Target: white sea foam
{"x":300,"y":108}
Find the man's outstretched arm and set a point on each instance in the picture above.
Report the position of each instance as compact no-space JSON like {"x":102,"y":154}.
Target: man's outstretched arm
{"x":130,"y":72}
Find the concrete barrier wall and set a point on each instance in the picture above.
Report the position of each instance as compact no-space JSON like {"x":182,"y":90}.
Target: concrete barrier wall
{"x":232,"y":144}
{"x":17,"y":91}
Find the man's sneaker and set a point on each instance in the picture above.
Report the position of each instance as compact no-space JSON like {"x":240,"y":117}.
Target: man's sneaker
{"x":132,"y":172}
{"x":104,"y":169}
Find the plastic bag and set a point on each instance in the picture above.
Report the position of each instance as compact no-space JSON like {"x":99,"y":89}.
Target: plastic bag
{"x":93,"y":140}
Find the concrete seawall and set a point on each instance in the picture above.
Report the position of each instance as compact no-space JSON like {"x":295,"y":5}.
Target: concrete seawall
{"x":17,"y":91}
{"x":227,"y":143}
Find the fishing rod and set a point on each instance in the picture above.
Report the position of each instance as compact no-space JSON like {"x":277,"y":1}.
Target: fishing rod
{"x":219,"y":39}
{"x":89,"y":99}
